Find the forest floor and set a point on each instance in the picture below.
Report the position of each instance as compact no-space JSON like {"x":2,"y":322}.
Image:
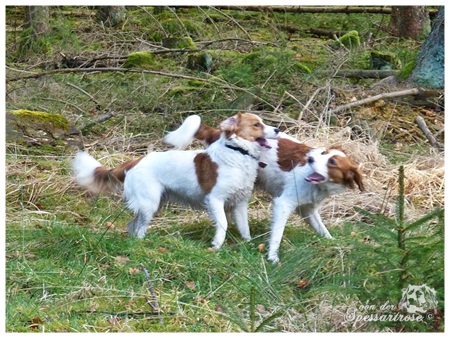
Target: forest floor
{"x":70,"y":265}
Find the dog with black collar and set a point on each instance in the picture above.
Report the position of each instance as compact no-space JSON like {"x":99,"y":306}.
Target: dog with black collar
{"x":217,"y":179}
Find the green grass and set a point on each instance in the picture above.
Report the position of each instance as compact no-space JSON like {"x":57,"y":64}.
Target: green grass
{"x":58,"y":272}
{"x":88,"y":278}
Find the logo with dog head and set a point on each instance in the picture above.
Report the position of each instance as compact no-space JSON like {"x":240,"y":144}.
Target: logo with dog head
{"x":418,"y":299}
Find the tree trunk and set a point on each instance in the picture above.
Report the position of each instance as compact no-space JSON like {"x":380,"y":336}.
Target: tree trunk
{"x":111,"y":16}
{"x":429,"y":70}
{"x":410,"y":22}
{"x":37,"y":19}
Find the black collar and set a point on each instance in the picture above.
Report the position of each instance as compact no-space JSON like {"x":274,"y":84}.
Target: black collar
{"x":242,"y":151}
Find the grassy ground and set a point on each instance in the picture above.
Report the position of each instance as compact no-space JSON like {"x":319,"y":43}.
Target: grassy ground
{"x":87,"y":275}
{"x":71,"y":267}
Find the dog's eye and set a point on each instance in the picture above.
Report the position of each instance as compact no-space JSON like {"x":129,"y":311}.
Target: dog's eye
{"x":257,"y":125}
{"x":332,"y":161}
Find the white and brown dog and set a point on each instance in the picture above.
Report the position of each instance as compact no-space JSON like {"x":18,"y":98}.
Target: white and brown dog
{"x":217,"y":179}
{"x":297,"y":177}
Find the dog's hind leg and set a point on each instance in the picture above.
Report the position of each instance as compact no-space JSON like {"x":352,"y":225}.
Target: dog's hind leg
{"x":138,"y":226}
{"x":311,"y":215}
{"x":143,"y":197}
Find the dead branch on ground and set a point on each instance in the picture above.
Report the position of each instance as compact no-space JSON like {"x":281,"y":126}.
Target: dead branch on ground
{"x":318,"y":9}
{"x":407,"y":92}
{"x":319,"y":32}
{"x":361,"y":74}
{"x":103,"y":70}
{"x":423,"y":126}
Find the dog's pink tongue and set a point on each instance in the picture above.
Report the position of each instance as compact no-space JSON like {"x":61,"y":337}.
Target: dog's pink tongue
{"x":263,"y":142}
{"x":315,"y":178}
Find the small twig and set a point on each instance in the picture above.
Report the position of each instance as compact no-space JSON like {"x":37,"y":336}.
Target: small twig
{"x":19,"y":70}
{"x":151,"y":44}
{"x":277,"y":108}
{"x":154,"y":303}
{"x":64,"y":102}
{"x":99,"y":119}
{"x":84,"y":92}
{"x":339,"y":42}
{"x":252,"y":42}
{"x":234,"y":21}
{"x":209,"y":18}
{"x":125,"y":314}
{"x":318,"y":90}
{"x":176,"y":50}
{"x":423,"y":126}
{"x":179,"y":20}
{"x":222,"y":83}
{"x":154,"y":19}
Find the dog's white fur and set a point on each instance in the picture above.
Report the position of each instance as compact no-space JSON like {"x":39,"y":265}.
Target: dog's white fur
{"x":303,"y":188}
{"x":172,"y":176}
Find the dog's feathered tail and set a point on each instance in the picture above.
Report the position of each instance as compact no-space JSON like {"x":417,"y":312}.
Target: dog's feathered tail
{"x":184,"y":135}
{"x":90,"y":173}
{"x":192,"y":128}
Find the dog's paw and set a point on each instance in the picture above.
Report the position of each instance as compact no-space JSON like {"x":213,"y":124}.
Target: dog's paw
{"x":214,"y":246}
{"x":273,"y":258}
{"x":247,"y":238}
{"x":136,"y":234}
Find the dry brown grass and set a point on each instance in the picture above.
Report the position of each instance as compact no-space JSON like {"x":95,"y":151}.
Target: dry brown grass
{"x":424,"y":174}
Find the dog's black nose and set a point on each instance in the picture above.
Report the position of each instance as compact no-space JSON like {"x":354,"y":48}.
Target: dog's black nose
{"x":276,"y":130}
{"x":311,"y":160}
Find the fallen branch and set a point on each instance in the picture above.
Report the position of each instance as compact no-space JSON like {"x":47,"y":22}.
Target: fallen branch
{"x":84,"y":62}
{"x":319,"y":32}
{"x":407,"y":92}
{"x":252,"y":42}
{"x":319,"y":9}
{"x":423,"y":126}
{"x":311,"y":9}
{"x":104,"y":70}
{"x":217,"y":82}
{"x":362,"y":74}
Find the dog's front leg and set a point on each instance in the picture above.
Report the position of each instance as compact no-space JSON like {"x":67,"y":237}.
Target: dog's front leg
{"x":240,"y":216}
{"x":216,"y":210}
{"x":282,"y":209}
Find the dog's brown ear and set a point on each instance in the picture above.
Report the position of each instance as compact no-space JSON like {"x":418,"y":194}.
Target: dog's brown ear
{"x":231,"y":123}
{"x":358,"y":178}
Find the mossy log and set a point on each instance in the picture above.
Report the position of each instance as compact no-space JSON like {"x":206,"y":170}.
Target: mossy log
{"x":37,"y":128}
